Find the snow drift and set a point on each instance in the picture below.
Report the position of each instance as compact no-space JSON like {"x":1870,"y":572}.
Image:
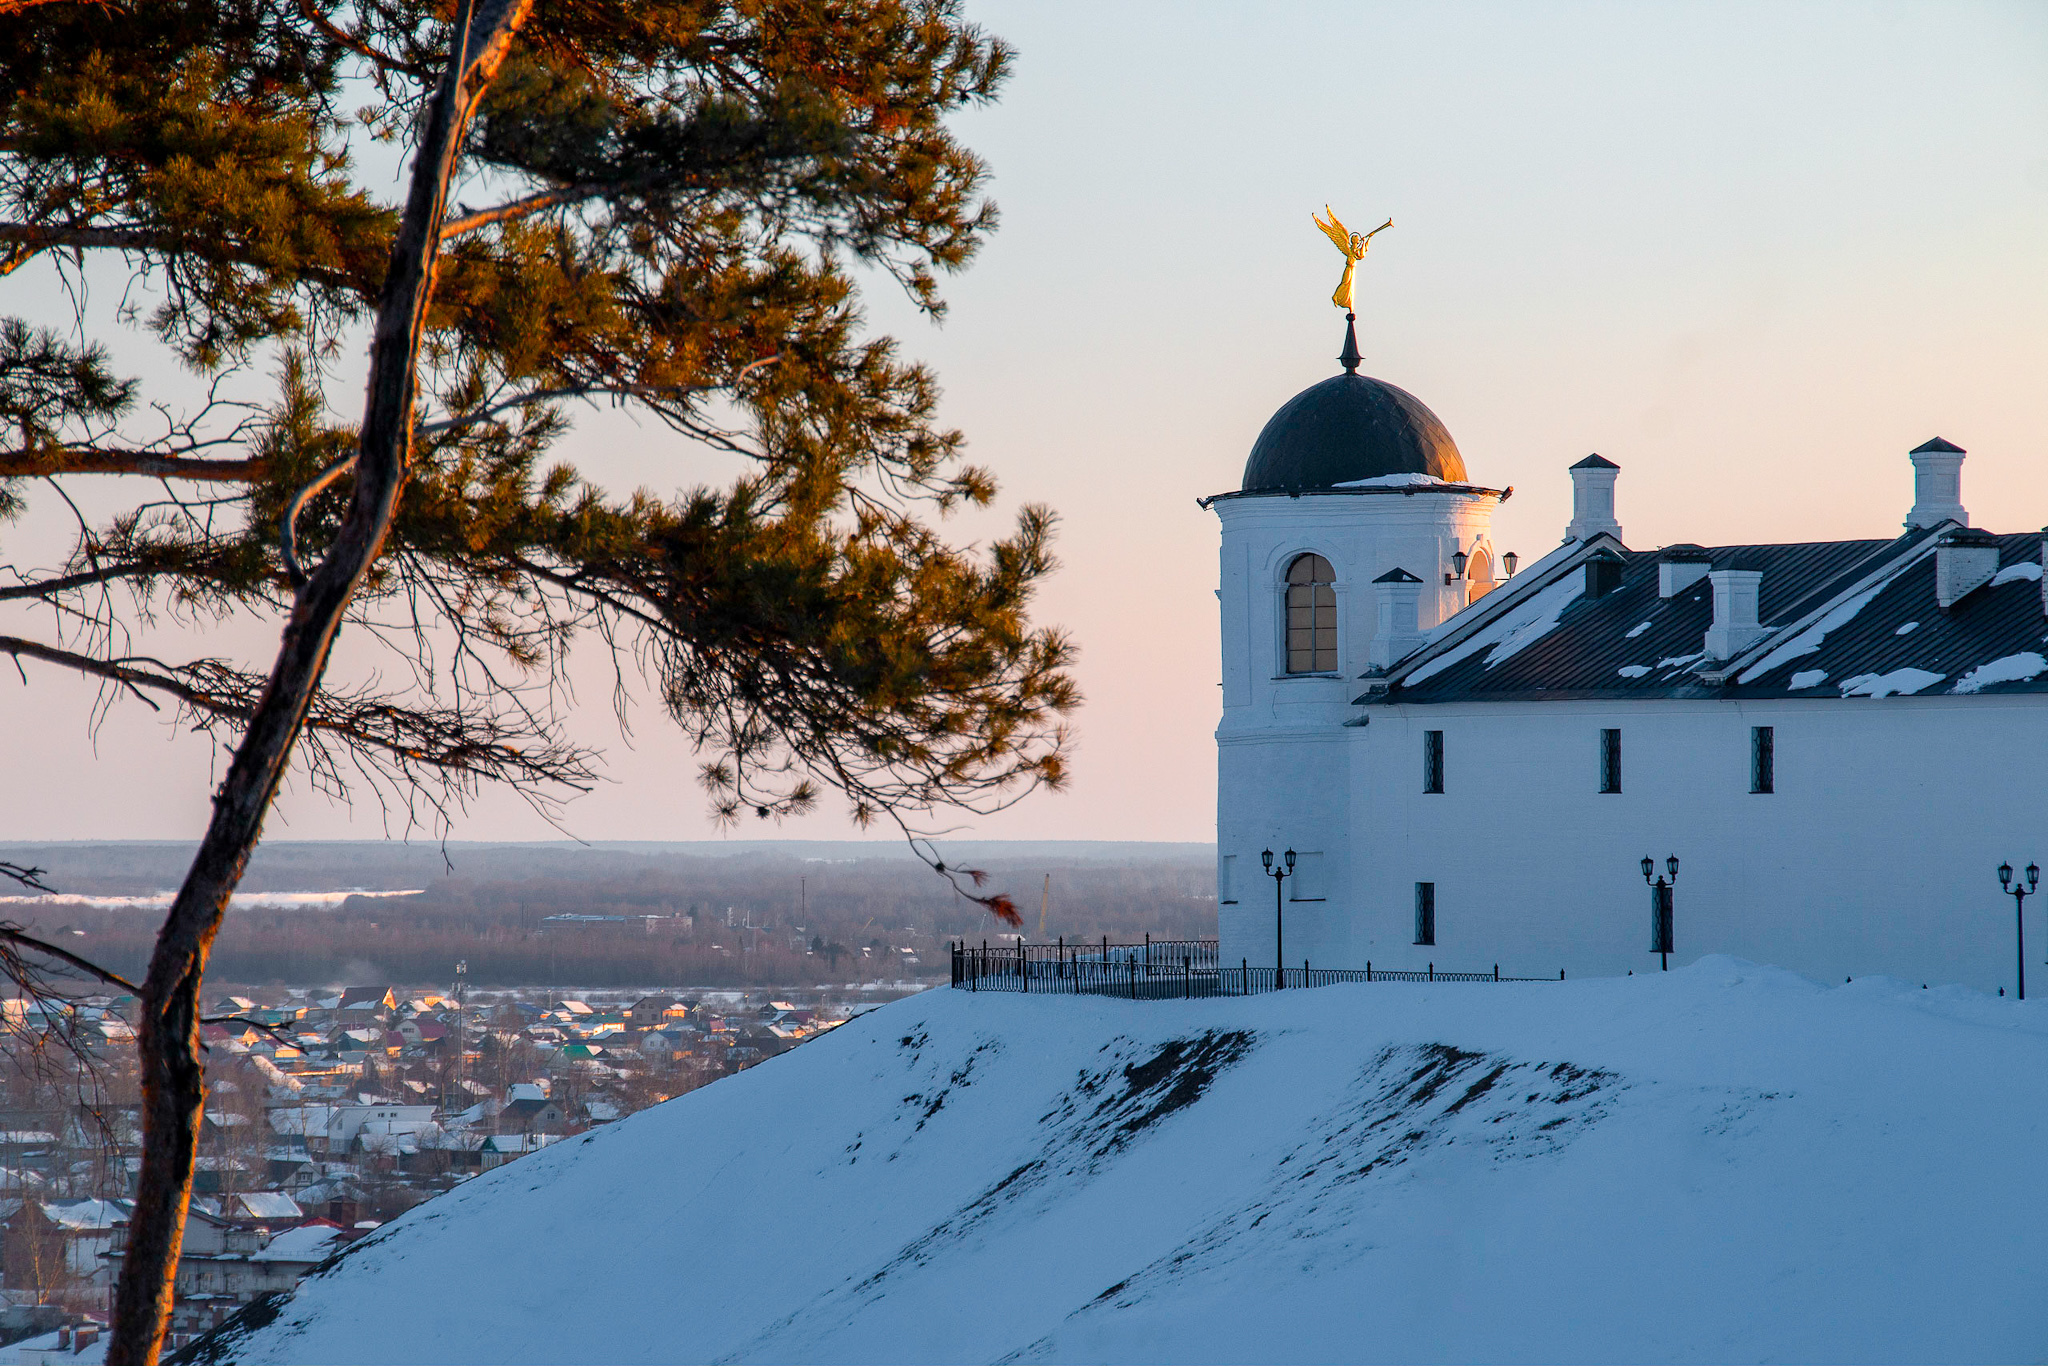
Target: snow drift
{"x":1723,"y":1163}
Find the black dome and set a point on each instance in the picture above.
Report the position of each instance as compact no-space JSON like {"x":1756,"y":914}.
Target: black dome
{"x":1346,"y":428}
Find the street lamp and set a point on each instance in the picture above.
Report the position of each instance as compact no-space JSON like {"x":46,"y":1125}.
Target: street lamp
{"x":2019,"y":894}
{"x":1509,"y":561}
{"x":1279,"y":875}
{"x":1660,"y":906}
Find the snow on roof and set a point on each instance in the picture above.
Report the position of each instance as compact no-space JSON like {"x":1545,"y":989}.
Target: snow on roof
{"x":1814,"y":636}
{"x":2023,"y":667}
{"x":45,"y":1347}
{"x":1506,"y":637}
{"x":270,"y":1205}
{"x":307,"y":1243}
{"x":1860,"y":611}
{"x":1395,"y":481}
{"x":1893,"y":683}
{"x":2025,"y":571}
{"x":85,"y":1215}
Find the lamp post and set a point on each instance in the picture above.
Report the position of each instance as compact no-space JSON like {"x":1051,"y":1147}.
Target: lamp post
{"x":1279,"y":875}
{"x":1660,"y":907}
{"x":2019,"y":892}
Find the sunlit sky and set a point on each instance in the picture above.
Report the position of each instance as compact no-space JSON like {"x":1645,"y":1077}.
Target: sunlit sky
{"x":1751,"y":253}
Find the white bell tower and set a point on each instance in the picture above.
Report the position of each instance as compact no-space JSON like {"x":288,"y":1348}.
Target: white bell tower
{"x":1355,"y":530}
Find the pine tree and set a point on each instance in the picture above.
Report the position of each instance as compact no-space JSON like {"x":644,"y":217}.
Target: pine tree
{"x":655,"y":204}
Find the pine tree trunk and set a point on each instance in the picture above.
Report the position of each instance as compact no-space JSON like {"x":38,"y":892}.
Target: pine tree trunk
{"x":173,"y":1075}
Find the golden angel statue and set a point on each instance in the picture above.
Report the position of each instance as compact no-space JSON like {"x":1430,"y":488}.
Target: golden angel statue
{"x":1353,"y":245}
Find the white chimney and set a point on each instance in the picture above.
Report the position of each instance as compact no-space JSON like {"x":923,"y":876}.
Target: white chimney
{"x":1735,"y":626}
{"x":1593,"y":500}
{"x":1964,"y":561}
{"x":1680,"y":567}
{"x":1937,"y":485}
{"x":1398,"y":633}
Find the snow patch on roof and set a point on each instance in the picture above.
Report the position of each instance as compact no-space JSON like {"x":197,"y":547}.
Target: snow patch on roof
{"x":1634,"y":670}
{"x":2019,"y":668}
{"x":1808,"y":678}
{"x":2013,"y":573}
{"x":1809,"y":640}
{"x":85,"y":1215}
{"x":1515,"y":630}
{"x":270,"y":1205}
{"x":1395,"y":481}
{"x":1637,"y":631}
{"x":1678,"y":661}
{"x":306,"y":1243}
{"x":1907,"y":629}
{"x":1899,"y":682}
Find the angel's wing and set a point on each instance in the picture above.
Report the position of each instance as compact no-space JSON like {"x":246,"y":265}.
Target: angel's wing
{"x":1334,"y":230}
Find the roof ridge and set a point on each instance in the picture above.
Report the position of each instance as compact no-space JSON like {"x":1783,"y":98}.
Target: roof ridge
{"x":1743,"y":660}
{"x":1489,"y":608}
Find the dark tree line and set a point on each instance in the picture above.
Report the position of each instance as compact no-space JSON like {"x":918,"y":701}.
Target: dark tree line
{"x":776,"y":908}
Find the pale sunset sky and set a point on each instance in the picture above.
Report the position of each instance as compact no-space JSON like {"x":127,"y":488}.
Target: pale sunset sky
{"x":1752,"y":253}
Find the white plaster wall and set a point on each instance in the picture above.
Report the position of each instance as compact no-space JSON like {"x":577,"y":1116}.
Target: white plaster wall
{"x":1283,"y":777}
{"x":1877,"y":853}
{"x":1362,"y":536}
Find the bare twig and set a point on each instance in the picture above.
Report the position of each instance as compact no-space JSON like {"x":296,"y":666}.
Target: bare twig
{"x":287,"y":531}
{"x":31,"y":878}
{"x":12,"y":934}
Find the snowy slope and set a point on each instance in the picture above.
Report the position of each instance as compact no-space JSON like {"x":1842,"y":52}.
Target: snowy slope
{"x":1722,"y":1163}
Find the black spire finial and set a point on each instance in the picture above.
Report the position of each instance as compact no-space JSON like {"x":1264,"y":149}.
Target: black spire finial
{"x":1349,"y":360}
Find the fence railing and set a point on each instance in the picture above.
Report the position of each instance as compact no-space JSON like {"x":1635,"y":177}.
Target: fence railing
{"x":1162,"y":968}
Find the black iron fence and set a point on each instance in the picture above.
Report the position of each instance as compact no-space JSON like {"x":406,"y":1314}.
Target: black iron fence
{"x":1162,"y":968}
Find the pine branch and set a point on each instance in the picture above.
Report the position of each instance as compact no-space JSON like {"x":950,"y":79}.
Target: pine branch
{"x":455,"y":739}
{"x":45,"y":462}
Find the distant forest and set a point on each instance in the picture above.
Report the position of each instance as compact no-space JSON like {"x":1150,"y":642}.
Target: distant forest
{"x":762,"y":915}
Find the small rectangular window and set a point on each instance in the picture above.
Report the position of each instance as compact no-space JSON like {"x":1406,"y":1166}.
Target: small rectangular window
{"x":1226,"y":881}
{"x":1763,"y":759}
{"x":1425,"y":913}
{"x":1610,"y":761}
{"x":1432,"y":761}
{"x":1307,"y":882}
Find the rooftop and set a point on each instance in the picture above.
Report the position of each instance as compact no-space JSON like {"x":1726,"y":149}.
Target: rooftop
{"x":1846,"y":619}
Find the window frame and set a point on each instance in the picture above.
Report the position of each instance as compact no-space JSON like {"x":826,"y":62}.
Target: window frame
{"x":1610,"y":761}
{"x":1432,"y":763}
{"x":1425,"y":915}
{"x":1763,"y":760}
{"x":1315,"y":609}
{"x":1308,"y":876}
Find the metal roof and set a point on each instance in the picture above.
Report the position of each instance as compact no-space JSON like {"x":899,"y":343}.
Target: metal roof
{"x":1350,"y":427}
{"x":1837,"y":615}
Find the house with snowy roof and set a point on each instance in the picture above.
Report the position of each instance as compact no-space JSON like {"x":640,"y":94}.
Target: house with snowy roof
{"x":1470,"y":759}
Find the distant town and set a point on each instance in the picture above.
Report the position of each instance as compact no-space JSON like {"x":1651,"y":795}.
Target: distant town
{"x":334,"y":1108}
{"x":330,"y":1112}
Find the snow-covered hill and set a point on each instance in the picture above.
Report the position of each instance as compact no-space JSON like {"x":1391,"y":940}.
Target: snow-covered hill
{"x":1723,"y":1163}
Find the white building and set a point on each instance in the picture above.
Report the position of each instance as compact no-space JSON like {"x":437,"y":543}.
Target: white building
{"x":1841,"y":741}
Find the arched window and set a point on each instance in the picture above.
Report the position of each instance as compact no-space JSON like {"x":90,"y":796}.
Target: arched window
{"x":1479,"y":576}
{"x":1311,"y":616}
